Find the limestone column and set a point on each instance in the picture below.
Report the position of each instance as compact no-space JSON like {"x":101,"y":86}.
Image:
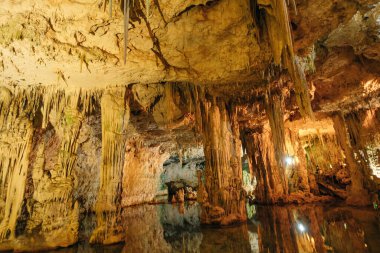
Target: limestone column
{"x":223,"y":200}
{"x":357,"y":194}
{"x":270,"y":188}
{"x":266,"y":152}
{"x":115,"y":117}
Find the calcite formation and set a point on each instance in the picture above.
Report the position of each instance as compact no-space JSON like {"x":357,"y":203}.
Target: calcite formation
{"x":102,"y":104}
{"x":225,"y":202}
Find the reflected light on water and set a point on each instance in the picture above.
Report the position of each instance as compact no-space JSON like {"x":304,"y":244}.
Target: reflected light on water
{"x":176,"y":228}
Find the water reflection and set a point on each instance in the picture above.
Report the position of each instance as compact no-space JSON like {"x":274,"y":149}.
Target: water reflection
{"x":176,"y":228}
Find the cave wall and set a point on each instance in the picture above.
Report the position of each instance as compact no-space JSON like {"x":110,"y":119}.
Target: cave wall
{"x":215,"y":73}
{"x":142,"y":173}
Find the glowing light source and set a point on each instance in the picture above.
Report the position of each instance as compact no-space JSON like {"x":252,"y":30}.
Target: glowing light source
{"x":289,"y":160}
{"x":301,"y":227}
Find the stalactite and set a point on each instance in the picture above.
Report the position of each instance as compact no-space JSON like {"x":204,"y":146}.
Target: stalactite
{"x":280,"y":38}
{"x":126,"y":24}
{"x":147,"y":7}
{"x":17,"y":110}
{"x":115,"y":119}
{"x":110,"y":3}
{"x":55,"y":100}
{"x":14,"y":164}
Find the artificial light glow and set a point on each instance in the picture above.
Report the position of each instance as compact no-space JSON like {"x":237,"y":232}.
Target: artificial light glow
{"x":289,"y":160}
{"x":301,"y":227}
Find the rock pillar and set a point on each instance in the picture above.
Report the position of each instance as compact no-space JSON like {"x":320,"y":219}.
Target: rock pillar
{"x":357,"y":194}
{"x":223,"y":199}
{"x":269,"y":174}
{"x":115,"y":117}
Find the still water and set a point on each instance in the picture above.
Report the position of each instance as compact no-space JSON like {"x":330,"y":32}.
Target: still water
{"x":306,"y":228}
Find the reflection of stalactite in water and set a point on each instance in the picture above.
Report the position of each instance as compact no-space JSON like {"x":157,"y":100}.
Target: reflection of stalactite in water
{"x":115,"y":118}
{"x":233,"y":239}
{"x":289,"y":229}
{"x":344,"y":233}
{"x":280,"y":38}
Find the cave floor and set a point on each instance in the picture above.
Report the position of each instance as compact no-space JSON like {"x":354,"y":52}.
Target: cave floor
{"x":302,"y":228}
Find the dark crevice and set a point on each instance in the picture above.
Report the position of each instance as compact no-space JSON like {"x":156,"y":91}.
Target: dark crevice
{"x":160,"y":11}
{"x":188,"y":8}
{"x":156,"y":43}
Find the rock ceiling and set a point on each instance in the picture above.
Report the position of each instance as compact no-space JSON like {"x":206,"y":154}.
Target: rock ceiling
{"x":78,"y":44}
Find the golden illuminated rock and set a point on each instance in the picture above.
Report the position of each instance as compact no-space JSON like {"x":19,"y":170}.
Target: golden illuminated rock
{"x":101,"y":103}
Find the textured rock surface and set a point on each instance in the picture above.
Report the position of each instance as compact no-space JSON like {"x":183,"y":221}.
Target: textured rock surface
{"x":80,"y":45}
{"x":141,"y":175}
{"x":296,"y":85}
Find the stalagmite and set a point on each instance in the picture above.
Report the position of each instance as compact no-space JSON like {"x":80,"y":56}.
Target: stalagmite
{"x":357,"y":193}
{"x":225,"y":203}
{"x":280,"y":37}
{"x":115,"y":119}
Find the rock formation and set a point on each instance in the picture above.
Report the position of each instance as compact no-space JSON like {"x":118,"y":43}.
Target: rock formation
{"x":97,"y":96}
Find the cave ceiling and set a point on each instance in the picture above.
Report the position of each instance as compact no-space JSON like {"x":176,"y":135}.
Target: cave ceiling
{"x":221,"y":45}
